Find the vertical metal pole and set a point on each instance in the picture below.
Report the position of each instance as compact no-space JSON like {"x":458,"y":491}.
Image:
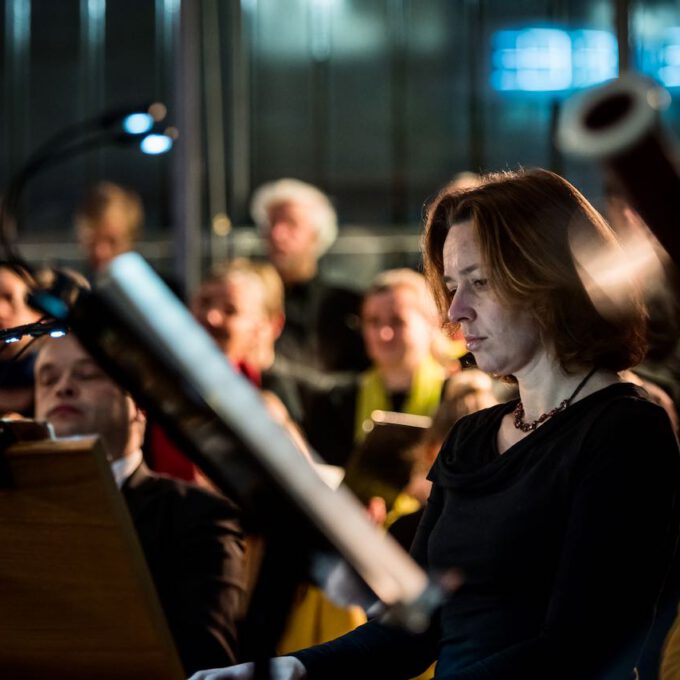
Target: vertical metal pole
{"x":240,"y":172}
{"x":622,"y":18}
{"x":320,"y":29}
{"x":187,"y":162}
{"x":92,"y":55}
{"x":475,"y":22}
{"x":219,"y":222}
{"x":398,"y":105}
{"x":17,"y":79}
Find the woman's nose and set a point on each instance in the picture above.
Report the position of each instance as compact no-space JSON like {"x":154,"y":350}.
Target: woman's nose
{"x":460,"y":308}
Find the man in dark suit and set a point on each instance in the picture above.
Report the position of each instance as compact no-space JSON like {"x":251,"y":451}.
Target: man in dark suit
{"x":191,"y":539}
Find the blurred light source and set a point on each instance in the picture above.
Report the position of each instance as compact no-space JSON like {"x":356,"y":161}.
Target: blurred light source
{"x":595,"y":56}
{"x":541,"y":59}
{"x":660,"y":56}
{"x":138,"y":123}
{"x":156,"y":144}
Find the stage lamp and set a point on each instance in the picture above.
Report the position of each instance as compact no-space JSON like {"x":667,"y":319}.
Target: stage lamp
{"x":126,"y":125}
{"x":54,"y":328}
{"x":138,"y":123}
{"x":139,"y":120}
{"x":156,"y":143}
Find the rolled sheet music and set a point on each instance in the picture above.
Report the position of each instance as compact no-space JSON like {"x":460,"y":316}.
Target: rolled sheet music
{"x":147,"y":338}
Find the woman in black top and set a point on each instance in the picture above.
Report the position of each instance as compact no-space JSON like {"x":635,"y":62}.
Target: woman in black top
{"x":560,"y":508}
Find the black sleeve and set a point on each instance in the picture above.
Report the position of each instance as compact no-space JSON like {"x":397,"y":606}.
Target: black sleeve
{"x":209,"y":583}
{"x":617,"y":548}
{"x":376,"y":650}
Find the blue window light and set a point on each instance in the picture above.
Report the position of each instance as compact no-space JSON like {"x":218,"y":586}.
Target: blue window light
{"x":551,"y":59}
{"x":660,"y":57}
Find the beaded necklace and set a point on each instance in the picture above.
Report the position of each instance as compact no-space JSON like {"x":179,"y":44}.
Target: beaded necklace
{"x":518,"y":412}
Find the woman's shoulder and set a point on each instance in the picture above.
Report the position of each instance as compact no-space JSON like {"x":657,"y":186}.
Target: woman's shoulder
{"x":620,"y":422}
{"x":619,"y":401}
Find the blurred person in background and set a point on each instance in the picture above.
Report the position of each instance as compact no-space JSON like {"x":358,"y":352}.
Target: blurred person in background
{"x":398,"y":322}
{"x":17,"y":359}
{"x":299,"y":224}
{"x":192,"y":539}
{"x":108,"y":221}
{"x":241,"y":306}
{"x":661,"y":365}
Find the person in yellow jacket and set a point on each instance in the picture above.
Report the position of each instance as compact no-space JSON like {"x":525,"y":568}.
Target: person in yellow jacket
{"x":399,"y":324}
{"x":670,"y":661}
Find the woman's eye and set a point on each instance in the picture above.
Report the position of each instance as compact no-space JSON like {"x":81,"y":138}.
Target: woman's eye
{"x":480,"y":283}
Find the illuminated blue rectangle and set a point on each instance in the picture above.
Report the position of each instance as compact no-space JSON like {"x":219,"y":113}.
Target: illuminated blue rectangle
{"x":551,"y":59}
{"x":659,"y":56}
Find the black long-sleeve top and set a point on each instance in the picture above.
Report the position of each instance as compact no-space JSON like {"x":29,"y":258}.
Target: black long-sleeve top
{"x":563,"y":541}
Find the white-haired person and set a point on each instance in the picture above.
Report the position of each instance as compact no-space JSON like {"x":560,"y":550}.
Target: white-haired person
{"x":299,"y":224}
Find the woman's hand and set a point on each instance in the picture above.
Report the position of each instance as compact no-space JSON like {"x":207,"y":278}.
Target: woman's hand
{"x":282,"y":668}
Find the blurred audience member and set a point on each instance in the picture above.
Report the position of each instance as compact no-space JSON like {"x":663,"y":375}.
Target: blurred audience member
{"x":661,"y":282}
{"x":465,"y":180}
{"x":241,"y":305}
{"x":399,"y":321}
{"x":230,"y":305}
{"x":192,"y":540}
{"x":299,"y":224}
{"x":670,"y":662}
{"x":109,"y":221}
{"x":17,"y":358}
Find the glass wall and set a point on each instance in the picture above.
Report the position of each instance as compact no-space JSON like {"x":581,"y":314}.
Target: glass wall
{"x":379,"y":102}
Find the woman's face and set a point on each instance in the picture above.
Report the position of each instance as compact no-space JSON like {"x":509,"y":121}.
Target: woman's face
{"x":503,"y":340}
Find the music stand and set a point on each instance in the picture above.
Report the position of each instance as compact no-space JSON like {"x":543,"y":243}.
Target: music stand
{"x":76,"y":597}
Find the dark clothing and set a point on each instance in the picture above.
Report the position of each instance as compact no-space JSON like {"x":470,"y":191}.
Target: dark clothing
{"x":563,"y":542}
{"x":329,"y":420}
{"x":16,"y":383}
{"x":322,"y":327}
{"x":287,"y":382}
{"x":18,"y":372}
{"x":194,"y":549}
{"x":404,"y":528}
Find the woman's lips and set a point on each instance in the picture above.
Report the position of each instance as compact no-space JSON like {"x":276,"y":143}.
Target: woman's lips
{"x":472,"y":342}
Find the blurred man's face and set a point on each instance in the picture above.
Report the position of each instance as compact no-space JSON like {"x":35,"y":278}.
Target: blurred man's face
{"x":78,"y":398}
{"x":107,"y":238}
{"x":396,"y":332}
{"x":231,"y":309}
{"x":13,"y":308}
{"x":292,"y":239}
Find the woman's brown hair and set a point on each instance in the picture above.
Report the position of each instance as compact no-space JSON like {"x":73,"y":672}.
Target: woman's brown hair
{"x":526,"y":223}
